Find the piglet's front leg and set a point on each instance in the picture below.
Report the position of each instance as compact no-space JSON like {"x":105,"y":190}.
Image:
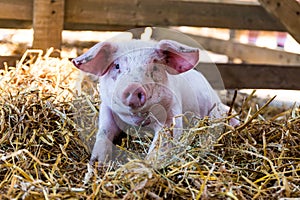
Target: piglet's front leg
{"x":165,"y":138}
{"x":108,"y":130}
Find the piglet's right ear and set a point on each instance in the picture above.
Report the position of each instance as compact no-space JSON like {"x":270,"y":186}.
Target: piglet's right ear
{"x":97,"y":59}
{"x":178,"y":57}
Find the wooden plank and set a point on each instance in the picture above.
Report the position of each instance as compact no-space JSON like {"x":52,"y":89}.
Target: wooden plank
{"x":126,"y":14}
{"x":250,"y":76}
{"x":247,"y":52}
{"x":287,"y":12}
{"x":16,"y":9}
{"x":15,"y":24}
{"x":10,"y":60}
{"x":170,"y":13}
{"x":48,"y":20}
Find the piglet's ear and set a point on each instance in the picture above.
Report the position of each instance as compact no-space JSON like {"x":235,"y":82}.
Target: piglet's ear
{"x":178,"y":57}
{"x":97,"y":59}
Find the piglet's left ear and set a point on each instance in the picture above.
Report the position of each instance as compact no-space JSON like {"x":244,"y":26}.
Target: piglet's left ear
{"x":178,"y":57}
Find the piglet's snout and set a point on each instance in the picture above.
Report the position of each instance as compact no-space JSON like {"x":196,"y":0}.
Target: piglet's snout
{"x":134,"y":96}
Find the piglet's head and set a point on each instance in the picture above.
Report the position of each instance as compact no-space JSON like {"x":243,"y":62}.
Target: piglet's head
{"x":177,"y":57}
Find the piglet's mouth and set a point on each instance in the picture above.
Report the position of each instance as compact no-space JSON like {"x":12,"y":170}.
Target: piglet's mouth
{"x":142,"y":119}
{"x":143,"y":122}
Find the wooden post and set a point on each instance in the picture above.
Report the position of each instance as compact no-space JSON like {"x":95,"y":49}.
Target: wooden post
{"x":48,"y":22}
{"x":287,"y":12}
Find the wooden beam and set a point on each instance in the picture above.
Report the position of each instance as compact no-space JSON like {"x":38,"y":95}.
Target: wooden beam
{"x":48,"y":20}
{"x":16,"y":14}
{"x":170,"y":13}
{"x":287,"y":12}
{"x":247,"y":52}
{"x":126,"y":14}
{"x":15,"y":24}
{"x":16,"y":9}
{"x":250,"y":76}
{"x":10,"y":60}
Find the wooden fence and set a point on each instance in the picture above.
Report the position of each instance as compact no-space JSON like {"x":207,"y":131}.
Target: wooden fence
{"x":49,"y":18}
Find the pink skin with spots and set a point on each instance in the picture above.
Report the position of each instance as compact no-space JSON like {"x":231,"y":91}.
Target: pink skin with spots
{"x":146,"y":83}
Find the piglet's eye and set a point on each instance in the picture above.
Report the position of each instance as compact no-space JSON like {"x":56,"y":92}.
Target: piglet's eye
{"x":117,"y":66}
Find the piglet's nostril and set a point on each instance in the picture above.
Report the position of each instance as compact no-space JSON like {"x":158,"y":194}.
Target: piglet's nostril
{"x":140,"y":95}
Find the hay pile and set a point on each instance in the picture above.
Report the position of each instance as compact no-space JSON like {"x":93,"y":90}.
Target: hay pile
{"x":47,"y":121}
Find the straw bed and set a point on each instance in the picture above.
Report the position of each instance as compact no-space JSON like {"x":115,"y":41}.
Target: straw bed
{"x":48,"y":116}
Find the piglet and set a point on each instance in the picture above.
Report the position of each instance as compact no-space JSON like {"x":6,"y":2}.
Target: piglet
{"x":147,"y":84}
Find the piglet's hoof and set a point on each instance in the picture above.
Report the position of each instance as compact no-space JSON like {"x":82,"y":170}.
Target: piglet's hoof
{"x":102,"y":152}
